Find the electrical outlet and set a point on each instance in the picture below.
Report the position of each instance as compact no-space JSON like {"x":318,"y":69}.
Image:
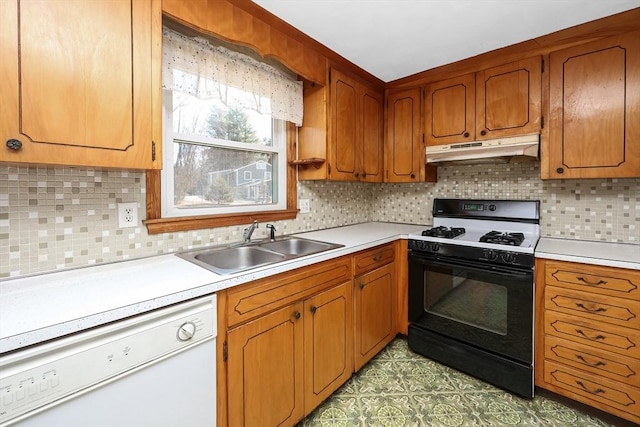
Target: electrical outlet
{"x":305,"y":206}
{"x":127,"y":215}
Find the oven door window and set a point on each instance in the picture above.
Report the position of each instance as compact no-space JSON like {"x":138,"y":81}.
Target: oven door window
{"x":464,"y":297}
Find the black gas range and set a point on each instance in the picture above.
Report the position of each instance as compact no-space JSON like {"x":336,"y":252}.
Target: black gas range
{"x":471,"y":289}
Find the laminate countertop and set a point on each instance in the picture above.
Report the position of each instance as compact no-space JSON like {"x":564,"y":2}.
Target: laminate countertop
{"x":42,"y":307}
{"x":621,"y":255}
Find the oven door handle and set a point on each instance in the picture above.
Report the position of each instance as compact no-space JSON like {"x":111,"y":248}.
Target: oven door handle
{"x":473,"y":265}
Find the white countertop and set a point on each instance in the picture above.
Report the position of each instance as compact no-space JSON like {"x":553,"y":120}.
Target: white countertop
{"x":619,"y":255}
{"x":37,"y":308}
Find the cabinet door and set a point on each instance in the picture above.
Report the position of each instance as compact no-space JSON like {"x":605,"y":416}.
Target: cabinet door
{"x":450,"y":110}
{"x":594,"y":123}
{"x":80,"y":82}
{"x":328,"y":343}
{"x":404,"y":156}
{"x":265,"y":376}
{"x":371,"y":139}
{"x":509,"y":99}
{"x":344,"y":127}
{"x":374,"y":313}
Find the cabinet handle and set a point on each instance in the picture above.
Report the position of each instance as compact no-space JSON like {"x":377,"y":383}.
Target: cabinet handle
{"x":466,"y":134}
{"x":590,"y":310}
{"x":560,"y":170}
{"x":313,"y":309}
{"x":599,"y":282}
{"x":596,"y":338}
{"x":377,"y":257}
{"x":296,"y":314}
{"x":14,"y":144}
{"x":598,"y":363}
{"x":483,"y":132}
{"x":361,"y":285}
{"x":584,"y":387}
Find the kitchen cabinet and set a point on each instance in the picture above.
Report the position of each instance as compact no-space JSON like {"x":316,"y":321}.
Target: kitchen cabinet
{"x":354,"y":147}
{"x":594,"y":121}
{"x":289,"y":341}
{"x":375,"y":297}
{"x":588,"y":335}
{"x":404,"y":150}
{"x":494,"y":103}
{"x":81,"y":83}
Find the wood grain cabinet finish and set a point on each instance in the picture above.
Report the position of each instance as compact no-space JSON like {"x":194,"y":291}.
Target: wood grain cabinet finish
{"x":594,"y":123}
{"x":494,"y":103}
{"x":404,"y":150}
{"x":588,"y":335}
{"x":357,"y":127}
{"x":81,"y":83}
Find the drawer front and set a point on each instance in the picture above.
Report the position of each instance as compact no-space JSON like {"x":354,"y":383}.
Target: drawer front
{"x":590,"y":388}
{"x":600,"y":335}
{"x":599,"y":362}
{"x":600,"y":308}
{"x":262,"y":296}
{"x":371,"y":259}
{"x":617,"y":282}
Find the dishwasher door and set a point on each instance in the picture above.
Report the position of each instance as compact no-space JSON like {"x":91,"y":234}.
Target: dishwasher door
{"x":164,"y":365}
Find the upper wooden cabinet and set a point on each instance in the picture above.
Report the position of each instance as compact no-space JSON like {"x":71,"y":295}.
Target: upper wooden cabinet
{"x":493,"y":103}
{"x":354,"y":147}
{"x":81,"y":83}
{"x":594,"y":122}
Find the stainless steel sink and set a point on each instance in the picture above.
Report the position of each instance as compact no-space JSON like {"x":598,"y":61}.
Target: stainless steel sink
{"x":296,"y":246}
{"x":234,"y":259}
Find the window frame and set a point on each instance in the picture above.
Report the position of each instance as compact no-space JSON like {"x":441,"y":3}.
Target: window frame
{"x":156,"y":224}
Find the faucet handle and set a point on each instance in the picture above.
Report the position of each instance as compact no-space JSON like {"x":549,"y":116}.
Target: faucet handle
{"x":272,"y":234}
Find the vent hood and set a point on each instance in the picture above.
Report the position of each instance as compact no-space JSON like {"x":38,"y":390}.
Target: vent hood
{"x":490,"y":151}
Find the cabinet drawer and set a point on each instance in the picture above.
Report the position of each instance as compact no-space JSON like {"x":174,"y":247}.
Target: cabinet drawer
{"x":373,"y":258}
{"x":600,"y":308}
{"x":262,"y":296}
{"x":598,"y":362}
{"x":600,"y":335}
{"x":590,"y":388}
{"x":592,"y":278}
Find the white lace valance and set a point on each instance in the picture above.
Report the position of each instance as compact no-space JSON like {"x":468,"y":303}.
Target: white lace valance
{"x":193,"y":66}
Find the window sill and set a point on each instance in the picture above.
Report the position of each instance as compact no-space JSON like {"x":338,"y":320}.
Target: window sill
{"x":170,"y":225}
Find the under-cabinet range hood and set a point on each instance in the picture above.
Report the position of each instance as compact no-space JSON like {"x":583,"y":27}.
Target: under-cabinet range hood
{"x":490,"y":151}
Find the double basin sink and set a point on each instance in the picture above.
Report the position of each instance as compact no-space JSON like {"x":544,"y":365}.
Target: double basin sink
{"x":234,"y":259}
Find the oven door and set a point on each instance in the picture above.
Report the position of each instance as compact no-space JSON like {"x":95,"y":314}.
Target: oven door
{"x":488,"y":307}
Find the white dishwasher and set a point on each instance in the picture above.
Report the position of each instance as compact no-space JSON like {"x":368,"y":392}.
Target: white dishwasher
{"x":152,"y":370}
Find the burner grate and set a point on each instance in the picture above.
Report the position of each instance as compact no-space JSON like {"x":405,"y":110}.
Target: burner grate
{"x":502,"y":238}
{"x":444,"y":232}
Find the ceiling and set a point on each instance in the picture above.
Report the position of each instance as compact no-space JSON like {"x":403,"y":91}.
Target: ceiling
{"x":392,"y":39}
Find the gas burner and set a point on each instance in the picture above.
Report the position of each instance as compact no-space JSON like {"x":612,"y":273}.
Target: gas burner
{"x":500,"y":238}
{"x":444,"y":232}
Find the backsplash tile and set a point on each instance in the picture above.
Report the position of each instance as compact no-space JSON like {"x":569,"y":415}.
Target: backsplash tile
{"x":53,"y":218}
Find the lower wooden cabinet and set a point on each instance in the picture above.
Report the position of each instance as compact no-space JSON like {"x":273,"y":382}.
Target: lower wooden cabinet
{"x":287,"y":342}
{"x":588,"y":335}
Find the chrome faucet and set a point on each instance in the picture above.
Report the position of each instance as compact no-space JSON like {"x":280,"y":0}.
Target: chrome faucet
{"x":272,"y":232}
{"x":249,"y":231}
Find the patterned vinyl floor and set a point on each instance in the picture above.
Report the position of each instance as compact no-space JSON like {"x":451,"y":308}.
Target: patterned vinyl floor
{"x":401,"y":388}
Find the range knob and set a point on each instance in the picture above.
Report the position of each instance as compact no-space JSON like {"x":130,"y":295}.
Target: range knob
{"x":435,"y":247}
{"x":508,"y":257}
{"x":422,"y":245}
{"x":186,"y":331}
{"x":491,"y":254}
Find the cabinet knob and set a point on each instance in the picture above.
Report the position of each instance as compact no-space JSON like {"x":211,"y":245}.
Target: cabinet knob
{"x":364,"y":174}
{"x":413,"y":175}
{"x":14,"y":144}
{"x":466,"y":134}
{"x":361,"y":286}
{"x":356,"y":174}
{"x":483,"y":132}
{"x":313,"y":309}
{"x":296,"y":314}
{"x":560,"y":170}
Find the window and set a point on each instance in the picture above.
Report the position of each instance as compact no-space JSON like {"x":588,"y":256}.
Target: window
{"x":225,"y":132}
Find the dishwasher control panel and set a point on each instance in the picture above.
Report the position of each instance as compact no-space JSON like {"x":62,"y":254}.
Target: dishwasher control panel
{"x":44,"y":375}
